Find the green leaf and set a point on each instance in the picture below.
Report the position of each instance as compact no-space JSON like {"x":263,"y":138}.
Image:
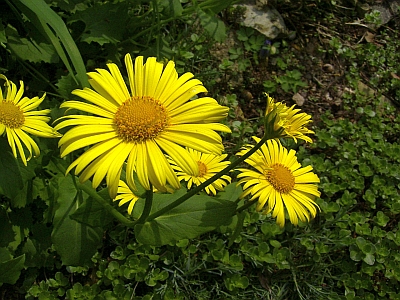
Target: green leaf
{"x":25,"y":195}
{"x":11,"y":269}
{"x":214,"y":26}
{"x":381,"y":219}
{"x":5,"y":254}
{"x":361,"y":242}
{"x":172,"y":8}
{"x":235,"y":281}
{"x":369,"y":259}
{"x":3,"y":37}
{"x":66,"y":84}
{"x":197,"y":215}
{"x":93,"y":213}
{"x":231,"y":192}
{"x":7,"y":233}
{"x":215,"y":7}
{"x":75,"y":242}
{"x":275,"y":243}
{"x":10,"y":176}
{"x":30,"y":49}
{"x":53,"y":28}
{"x":105,"y":23}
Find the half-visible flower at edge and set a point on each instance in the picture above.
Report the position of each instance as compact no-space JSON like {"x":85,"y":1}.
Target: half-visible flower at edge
{"x":156,"y":117}
{"x":279,"y":115}
{"x":126,"y":195}
{"x":279,"y":182}
{"x":19,"y":117}
{"x":209,"y":165}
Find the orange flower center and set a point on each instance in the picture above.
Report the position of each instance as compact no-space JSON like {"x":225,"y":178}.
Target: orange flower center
{"x":140,"y":118}
{"x":281,"y":178}
{"x":202,"y":169}
{"x":11,"y":115}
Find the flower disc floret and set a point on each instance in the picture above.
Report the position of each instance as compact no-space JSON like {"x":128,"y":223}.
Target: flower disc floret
{"x":281,"y":178}
{"x":11,"y":115}
{"x":140,"y":119}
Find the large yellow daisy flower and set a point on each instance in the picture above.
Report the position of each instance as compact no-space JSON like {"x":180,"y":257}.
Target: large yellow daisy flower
{"x":18,"y":117}
{"x":155,"y":118}
{"x":278,"y":182}
{"x":290,"y":119}
{"x":209,"y":165}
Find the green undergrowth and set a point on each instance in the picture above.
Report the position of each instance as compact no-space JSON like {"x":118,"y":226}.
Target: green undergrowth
{"x":348,"y":252}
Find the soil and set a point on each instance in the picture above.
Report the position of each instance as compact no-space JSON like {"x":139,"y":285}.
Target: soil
{"x":310,"y":52}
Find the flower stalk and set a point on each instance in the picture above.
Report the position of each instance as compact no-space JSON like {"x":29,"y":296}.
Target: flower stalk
{"x":115,"y":213}
{"x":197,"y":189}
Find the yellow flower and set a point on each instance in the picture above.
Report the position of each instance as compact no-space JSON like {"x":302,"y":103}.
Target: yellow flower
{"x":155,"y":118}
{"x":278,"y":182}
{"x":18,"y":117}
{"x":293,"y":123}
{"x":209,"y":165}
{"x":125,"y":195}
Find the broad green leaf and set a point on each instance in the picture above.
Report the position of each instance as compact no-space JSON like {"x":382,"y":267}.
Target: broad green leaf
{"x":92,"y":213}
{"x":3,"y":37}
{"x":25,"y":195}
{"x":231,"y":192}
{"x":7,"y":234}
{"x":5,"y":254}
{"x":11,"y":269}
{"x":197,"y":215}
{"x":172,"y":8}
{"x":76,"y":243}
{"x":10,"y":176}
{"x":214,"y":26}
{"x":29,"y":49}
{"x":105,"y":23}
{"x":66,"y":84}
{"x":238,"y":226}
{"x":53,"y":28}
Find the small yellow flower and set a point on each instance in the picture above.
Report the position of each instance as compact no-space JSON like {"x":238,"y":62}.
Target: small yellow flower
{"x":209,"y":165}
{"x":139,"y":127}
{"x":18,"y":117}
{"x":293,"y":123}
{"x":126,"y":195}
{"x":279,"y":182}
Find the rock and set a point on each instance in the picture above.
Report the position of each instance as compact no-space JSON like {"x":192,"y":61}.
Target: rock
{"x":387,"y":9}
{"x":328,"y":68}
{"x":299,"y":99}
{"x":371,"y":93}
{"x":267,"y":20}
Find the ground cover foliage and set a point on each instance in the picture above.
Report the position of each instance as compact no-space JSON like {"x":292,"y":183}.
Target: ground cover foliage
{"x":349,"y":75}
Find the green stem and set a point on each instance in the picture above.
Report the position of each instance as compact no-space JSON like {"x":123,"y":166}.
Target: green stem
{"x":208,"y":181}
{"x":147,"y":206}
{"x":246,"y":205}
{"x":92,"y":193}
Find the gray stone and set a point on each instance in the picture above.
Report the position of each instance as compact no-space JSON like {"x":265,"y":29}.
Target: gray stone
{"x":388,"y":10}
{"x":299,"y":99}
{"x":267,"y":20}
